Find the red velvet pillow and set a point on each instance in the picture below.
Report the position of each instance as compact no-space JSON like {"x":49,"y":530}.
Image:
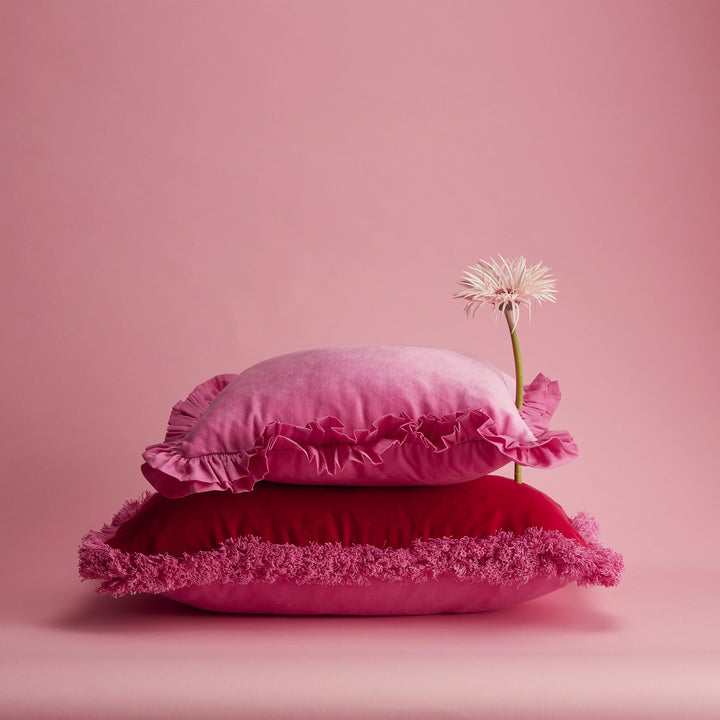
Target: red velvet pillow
{"x":295,"y":549}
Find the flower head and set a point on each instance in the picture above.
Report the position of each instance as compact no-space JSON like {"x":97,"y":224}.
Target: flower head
{"x":506,"y":285}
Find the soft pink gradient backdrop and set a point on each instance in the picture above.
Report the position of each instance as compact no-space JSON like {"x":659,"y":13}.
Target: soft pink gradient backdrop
{"x":190,"y":187}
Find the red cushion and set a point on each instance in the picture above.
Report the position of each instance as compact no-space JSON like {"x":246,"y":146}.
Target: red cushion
{"x":301,"y":514}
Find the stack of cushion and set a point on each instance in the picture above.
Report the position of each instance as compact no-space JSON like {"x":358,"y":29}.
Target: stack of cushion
{"x":353,"y":480}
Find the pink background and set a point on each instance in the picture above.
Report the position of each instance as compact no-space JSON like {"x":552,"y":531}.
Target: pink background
{"x":190,"y":187}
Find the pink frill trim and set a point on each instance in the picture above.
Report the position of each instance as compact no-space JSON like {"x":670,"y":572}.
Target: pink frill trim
{"x":502,"y":559}
{"x":330,"y":446}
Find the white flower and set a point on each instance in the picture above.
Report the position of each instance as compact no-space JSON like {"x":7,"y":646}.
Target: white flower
{"x":506,"y":285}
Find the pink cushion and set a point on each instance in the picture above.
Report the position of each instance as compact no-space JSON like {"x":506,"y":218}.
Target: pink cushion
{"x":378,"y":597}
{"x":475,"y":546}
{"x":366,"y":415}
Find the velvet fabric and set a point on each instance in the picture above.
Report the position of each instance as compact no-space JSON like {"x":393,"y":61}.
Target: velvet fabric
{"x":302,"y":514}
{"x":249,"y":573}
{"x":359,"y":415}
{"x":378,"y":597}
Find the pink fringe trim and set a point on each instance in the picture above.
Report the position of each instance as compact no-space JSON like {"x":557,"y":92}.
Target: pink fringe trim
{"x":499,"y":560}
{"x":331,"y":446}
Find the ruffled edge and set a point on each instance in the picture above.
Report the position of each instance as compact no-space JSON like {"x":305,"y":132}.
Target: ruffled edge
{"x":330,"y":446}
{"x":501,"y":559}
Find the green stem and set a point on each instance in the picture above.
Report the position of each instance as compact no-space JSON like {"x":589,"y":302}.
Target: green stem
{"x":518,"y":378}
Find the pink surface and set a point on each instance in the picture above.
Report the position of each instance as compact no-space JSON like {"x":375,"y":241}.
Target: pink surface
{"x":359,"y":415}
{"x":188,"y":191}
{"x":646,"y":650}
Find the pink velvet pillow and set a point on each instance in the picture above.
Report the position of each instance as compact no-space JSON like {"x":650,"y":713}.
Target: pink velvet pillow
{"x":365,"y":415}
{"x":291,"y":549}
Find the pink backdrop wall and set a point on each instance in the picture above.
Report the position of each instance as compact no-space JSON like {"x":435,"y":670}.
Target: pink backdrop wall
{"x":188,"y":188}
